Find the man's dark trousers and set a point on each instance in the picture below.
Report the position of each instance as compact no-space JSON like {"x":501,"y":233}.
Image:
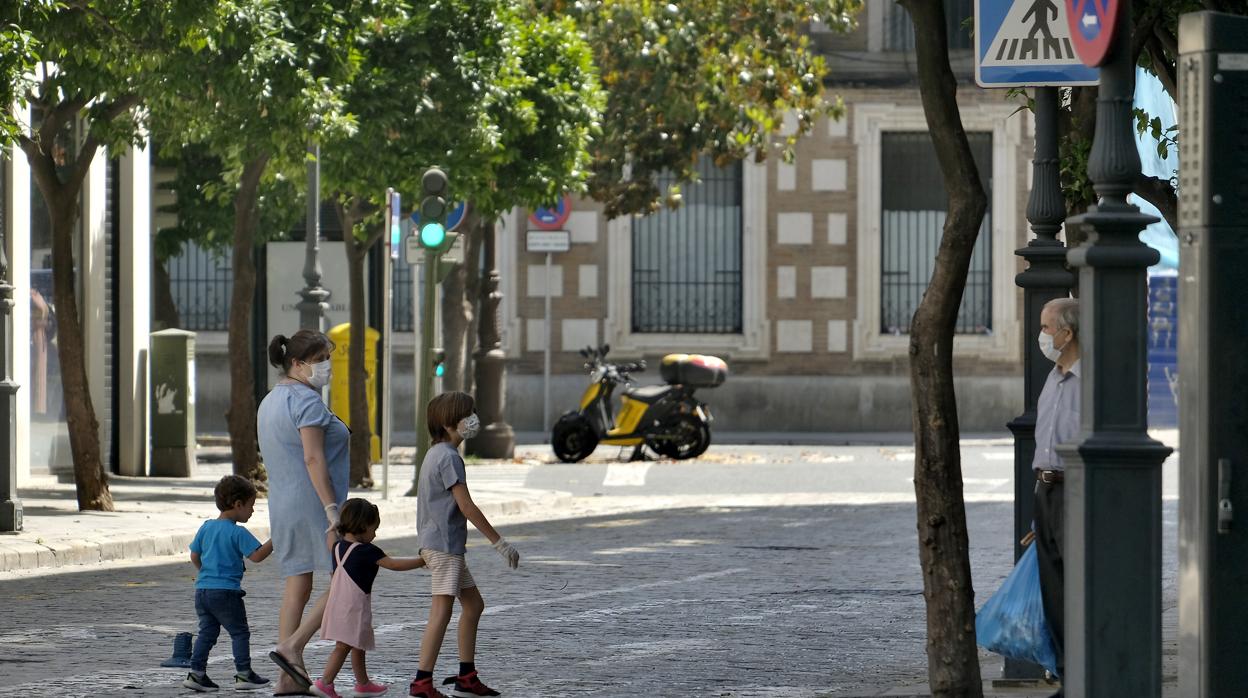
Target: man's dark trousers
{"x":1050,"y":517}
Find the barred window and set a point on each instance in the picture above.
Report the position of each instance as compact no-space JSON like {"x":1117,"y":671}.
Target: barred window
{"x":201,"y":282}
{"x":686,"y":263}
{"x":899,"y":30}
{"x":914,"y":204}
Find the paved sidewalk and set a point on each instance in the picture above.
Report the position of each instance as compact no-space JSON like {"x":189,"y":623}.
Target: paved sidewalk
{"x":159,"y":516}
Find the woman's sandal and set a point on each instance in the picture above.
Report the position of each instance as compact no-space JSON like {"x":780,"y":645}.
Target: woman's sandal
{"x":293,"y":671}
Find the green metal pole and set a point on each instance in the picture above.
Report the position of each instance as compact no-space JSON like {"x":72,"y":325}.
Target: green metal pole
{"x":424,"y":372}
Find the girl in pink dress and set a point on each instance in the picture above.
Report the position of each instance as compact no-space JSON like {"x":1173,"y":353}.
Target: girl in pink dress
{"x":348,"y":619}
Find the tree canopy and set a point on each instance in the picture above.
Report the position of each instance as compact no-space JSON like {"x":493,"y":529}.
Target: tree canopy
{"x":705,"y":76}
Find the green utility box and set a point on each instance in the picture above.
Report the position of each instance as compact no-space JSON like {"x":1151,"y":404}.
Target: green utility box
{"x":173,"y":403}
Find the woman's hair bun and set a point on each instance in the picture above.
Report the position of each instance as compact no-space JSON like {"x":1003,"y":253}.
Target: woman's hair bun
{"x":277,"y":350}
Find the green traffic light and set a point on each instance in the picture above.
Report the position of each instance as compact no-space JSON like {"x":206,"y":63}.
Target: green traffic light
{"x":432,"y":234}
{"x":439,"y":370}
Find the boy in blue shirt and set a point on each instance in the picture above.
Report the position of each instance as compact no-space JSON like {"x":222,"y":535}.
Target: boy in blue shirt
{"x":217,"y":553}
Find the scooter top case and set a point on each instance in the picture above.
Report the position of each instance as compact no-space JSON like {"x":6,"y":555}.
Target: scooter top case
{"x":693,"y":370}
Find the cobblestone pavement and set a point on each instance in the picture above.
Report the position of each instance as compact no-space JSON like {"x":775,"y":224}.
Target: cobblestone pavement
{"x":721,"y":601}
{"x":790,"y":574}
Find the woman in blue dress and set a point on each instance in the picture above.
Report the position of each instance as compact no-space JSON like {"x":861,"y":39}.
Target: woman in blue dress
{"x":304,"y":447}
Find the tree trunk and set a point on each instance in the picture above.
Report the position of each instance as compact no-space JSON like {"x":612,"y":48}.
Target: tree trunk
{"x":952,"y":656}
{"x":241,"y":416}
{"x":357,"y":373}
{"x":90,"y":478}
{"x":164,"y":307}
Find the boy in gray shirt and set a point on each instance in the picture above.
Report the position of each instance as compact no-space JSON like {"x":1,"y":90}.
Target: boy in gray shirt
{"x":443,"y":509}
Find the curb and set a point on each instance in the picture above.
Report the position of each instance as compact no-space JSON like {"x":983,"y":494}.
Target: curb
{"x":398,"y":516}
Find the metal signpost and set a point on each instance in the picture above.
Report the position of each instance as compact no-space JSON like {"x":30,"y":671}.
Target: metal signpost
{"x":547,"y":242}
{"x":1027,"y":43}
{"x":394,"y":240}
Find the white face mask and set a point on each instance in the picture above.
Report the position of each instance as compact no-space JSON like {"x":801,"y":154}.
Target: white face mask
{"x":320,"y":375}
{"x":1050,"y":352}
{"x":469,"y":426}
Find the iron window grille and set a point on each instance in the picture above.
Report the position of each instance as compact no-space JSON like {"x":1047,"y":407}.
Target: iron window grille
{"x":686,"y":263}
{"x":913,"y":208}
{"x":201,"y":281}
{"x":899,"y":30}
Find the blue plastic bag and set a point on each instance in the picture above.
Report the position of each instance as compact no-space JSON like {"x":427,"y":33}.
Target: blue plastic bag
{"x":1012,"y":622}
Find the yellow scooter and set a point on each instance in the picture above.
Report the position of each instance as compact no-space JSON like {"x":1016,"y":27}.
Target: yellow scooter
{"x":667,"y":419}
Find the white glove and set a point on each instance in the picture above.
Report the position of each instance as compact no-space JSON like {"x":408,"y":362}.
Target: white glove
{"x":509,"y":553}
{"x":331,"y":514}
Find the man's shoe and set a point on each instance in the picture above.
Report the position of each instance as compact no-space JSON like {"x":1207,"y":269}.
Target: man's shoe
{"x":251,"y":681}
{"x":202,"y":684}
{"x":468,"y":686}
{"x":423,"y":688}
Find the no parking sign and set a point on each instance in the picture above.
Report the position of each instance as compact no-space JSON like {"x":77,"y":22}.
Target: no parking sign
{"x":1092,"y":25}
{"x":552,"y":217}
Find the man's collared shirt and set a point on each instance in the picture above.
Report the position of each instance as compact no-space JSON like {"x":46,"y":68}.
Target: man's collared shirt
{"x":1057,"y":416}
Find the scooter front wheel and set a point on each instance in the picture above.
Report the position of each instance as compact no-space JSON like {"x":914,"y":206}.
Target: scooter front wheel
{"x":573,"y":438}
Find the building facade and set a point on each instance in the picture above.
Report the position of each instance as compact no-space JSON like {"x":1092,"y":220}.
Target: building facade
{"x":802,"y":275}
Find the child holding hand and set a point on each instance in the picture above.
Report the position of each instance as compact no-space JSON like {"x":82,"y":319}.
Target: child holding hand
{"x":217,"y":553}
{"x":348,"y":619}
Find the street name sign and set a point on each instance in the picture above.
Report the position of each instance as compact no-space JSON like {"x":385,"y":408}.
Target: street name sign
{"x":1027,"y":43}
{"x":413,"y":253}
{"x":1092,"y":25}
{"x":548,"y":241}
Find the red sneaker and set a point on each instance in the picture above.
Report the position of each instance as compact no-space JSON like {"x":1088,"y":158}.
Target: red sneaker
{"x":423,"y":688}
{"x":468,"y":686}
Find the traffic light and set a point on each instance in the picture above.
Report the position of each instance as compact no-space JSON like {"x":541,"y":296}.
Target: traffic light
{"x":439,"y":363}
{"x":433,"y":235}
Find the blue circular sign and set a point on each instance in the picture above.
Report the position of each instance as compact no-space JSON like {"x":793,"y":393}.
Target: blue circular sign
{"x":452,"y":221}
{"x":552,"y":217}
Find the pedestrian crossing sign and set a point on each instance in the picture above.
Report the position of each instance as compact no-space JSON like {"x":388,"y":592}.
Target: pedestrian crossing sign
{"x":1026,"y":43}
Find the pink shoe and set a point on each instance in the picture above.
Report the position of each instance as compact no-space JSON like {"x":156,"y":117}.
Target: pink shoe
{"x":322,"y":689}
{"x":370,"y":689}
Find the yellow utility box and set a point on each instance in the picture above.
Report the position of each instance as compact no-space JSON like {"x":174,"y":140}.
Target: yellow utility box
{"x":339,"y":398}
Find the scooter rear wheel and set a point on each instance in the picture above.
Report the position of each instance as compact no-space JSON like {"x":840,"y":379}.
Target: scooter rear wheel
{"x":686,"y":437}
{"x":573,"y":438}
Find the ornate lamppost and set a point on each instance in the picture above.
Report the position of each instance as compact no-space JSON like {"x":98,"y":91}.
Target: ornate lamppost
{"x":496,"y":440}
{"x":1113,"y":470}
{"x":10,"y":505}
{"x":1045,"y":278}
{"x":315,"y":297}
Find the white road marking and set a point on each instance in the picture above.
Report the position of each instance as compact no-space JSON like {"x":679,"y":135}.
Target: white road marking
{"x":626,"y":474}
{"x":619,"y":590}
{"x":997,"y":455}
{"x":985,"y":481}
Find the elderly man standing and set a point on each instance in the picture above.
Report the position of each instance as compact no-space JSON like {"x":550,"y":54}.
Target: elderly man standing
{"x":1057,"y":422}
